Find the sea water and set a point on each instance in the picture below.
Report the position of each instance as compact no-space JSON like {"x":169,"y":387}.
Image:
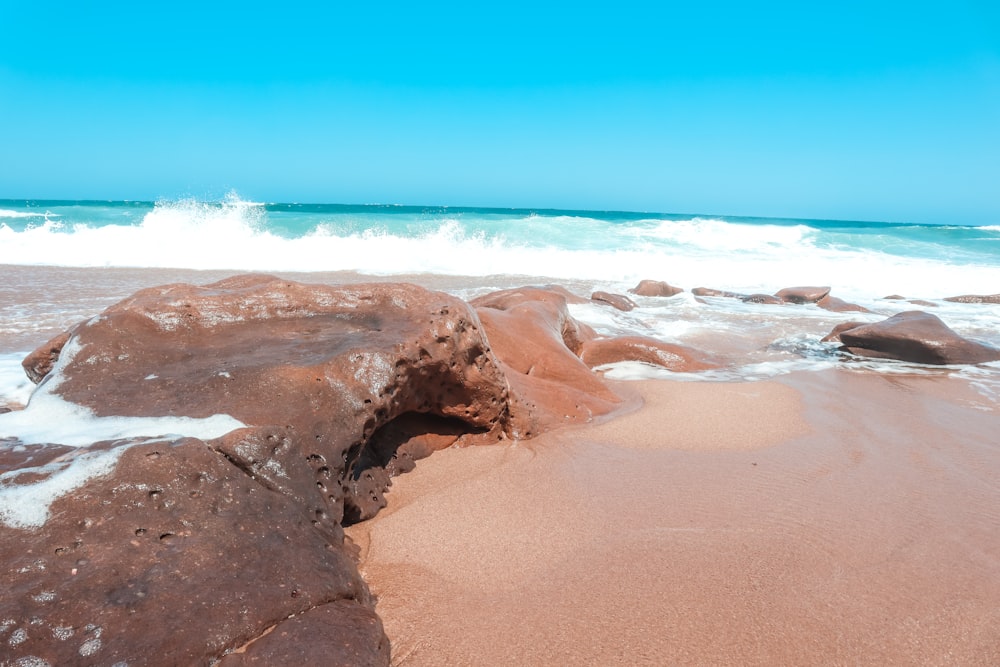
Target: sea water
{"x":468,"y":251}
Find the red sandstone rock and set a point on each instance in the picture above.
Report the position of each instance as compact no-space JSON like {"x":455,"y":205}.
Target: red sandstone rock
{"x":802,"y":294}
{"x":232,"y":549}
{"x":836,"y":305}
{"x":37,"y":364}
{"x":618,"y":301}
{"x":834,"y":336}
{"x":174,"y":559}
{"x":676,"y":358}
{"x":655,"y":288}
{"x":975,"y":298}
{"x":537,"y":342}
{"x":915,"y":336}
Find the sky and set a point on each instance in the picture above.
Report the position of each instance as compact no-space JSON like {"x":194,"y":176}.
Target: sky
{"x":848,"y":110}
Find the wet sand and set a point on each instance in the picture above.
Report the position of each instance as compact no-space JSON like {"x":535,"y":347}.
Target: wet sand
{"x":835,"y":517}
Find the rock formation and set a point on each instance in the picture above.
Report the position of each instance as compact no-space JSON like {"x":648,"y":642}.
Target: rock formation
{"x":914,"y":336}
{"x":170,"y":549}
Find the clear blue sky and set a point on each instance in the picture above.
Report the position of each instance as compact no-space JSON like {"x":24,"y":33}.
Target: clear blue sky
{"x":859,"y":110}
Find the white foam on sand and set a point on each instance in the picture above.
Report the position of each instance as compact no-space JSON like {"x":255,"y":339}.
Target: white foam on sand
{"x":49,"y":419}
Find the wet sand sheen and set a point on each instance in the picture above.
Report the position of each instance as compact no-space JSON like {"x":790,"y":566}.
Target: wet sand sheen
{"x":860,"y":526}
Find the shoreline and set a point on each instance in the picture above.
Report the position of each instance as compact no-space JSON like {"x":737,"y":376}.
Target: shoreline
{"x":799,"y":519}
{"x":856,"y":529}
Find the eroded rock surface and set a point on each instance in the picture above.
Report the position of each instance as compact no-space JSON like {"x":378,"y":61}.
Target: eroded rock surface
{"x":191,"y":550}
{"x":914,"y":336}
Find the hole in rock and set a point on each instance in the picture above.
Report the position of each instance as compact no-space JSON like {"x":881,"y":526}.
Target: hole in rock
{"x":391,"y":450}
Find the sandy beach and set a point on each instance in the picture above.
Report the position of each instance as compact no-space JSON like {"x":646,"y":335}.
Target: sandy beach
{"x":827,"y":518}
{"x":841,"y":515}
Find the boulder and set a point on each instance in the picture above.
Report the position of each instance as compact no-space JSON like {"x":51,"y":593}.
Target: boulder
{"x":836,"y":305}
{"x":655,"y":288}
{"x":185,"y":551}
{"x":802,"y":294}
{"x":619,"y":301}
{"x":915,"y":336}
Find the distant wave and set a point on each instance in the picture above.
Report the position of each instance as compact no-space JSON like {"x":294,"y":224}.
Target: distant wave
{"x":239,"y":235}
{"x":4,"y":213}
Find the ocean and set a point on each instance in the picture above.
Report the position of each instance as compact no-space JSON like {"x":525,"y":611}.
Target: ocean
{"x":64,"y":261}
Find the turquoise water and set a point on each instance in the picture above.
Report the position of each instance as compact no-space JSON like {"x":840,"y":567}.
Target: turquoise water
{"x":862,"y":259}
{"x":472,"y":250}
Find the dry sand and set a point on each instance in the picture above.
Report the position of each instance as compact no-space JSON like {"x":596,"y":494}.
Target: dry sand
{"x":827,"y":518}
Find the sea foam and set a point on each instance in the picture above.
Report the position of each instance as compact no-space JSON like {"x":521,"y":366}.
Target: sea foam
{"x":49,"y":419}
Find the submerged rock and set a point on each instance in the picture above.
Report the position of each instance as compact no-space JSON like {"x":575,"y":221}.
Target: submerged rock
{"x":914,"y":336}
{"x":767,"y":299}
{"x":676,"y":358}
{"x":975,"y":298}
{"x":708,"y":291}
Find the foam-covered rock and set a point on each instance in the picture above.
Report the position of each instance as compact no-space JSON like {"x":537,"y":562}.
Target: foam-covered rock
{"x":915,"y":336}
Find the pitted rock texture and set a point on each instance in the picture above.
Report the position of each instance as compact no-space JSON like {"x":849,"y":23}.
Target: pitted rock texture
{"x":232,"y":549}
{"x":914,"y":336}
{"x":174,"y":559}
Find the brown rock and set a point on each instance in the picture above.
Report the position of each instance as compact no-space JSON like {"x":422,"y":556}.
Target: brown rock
{"x":975,"y":298}
{"x":836,"y":305}
{"x":648,"y":350}
{"x":38,"y":364}
{"x":538,"y":343}
{"x":175,"y":559}
{"x":802,"y":294}
{"x":192,"y":551}
{"x":618,"y":301}
{"x":655,"y":288}
{"x":834,"y":336}
{"x":338,"y":634}
{"x":915,"y":336}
